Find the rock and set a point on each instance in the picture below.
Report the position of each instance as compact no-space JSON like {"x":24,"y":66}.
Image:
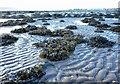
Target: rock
{"x":6,"y":39}
{"x":36,"y":15}
{"x":101,"y":19}
{"x":13,"y":23}
{"x":116,"y":23}
{"x":44,"y":20}
{"x":100,"y":42}
{"x":45,"y":15}
{"x":95,"y":16}
{"x":43,"y":31}
{"x":67,"y":15}
{"x":46,"y":23}
{"x":76,"y":15}
{"x":86,"y":20}
{"x":62,"y":21}
{"x":21,"y":30}
{"x":61,"y":32}
{"x":24,"y":30}
{"x":18,"y":16}
{"x":71,"y":27}
{"x":29,"y":73}
{"x":19,"y":22}
{"x":28,"y":19}
{"x":99,"y":31}
{"x":60,"y":49}
{"x":115,"y":28}
{"x":94,"y":23}
{"x":91,"y":21}
{"x":57,"y":15}
{"x":109,"y":16}
{"x":39,"y":44}
{"x":102,"y":26}
{"x":31,"y":27}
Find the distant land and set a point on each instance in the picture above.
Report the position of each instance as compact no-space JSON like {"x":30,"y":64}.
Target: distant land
{"x":81,"y":10}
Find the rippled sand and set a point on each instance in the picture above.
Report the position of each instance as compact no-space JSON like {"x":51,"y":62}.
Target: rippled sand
{"x":85,"y":64}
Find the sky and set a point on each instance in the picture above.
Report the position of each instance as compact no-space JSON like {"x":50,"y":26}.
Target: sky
{"x":56,"y":4}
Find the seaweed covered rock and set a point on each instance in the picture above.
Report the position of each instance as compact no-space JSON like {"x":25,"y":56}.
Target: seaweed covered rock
{"x":45,"y":15}
{"x":62,"y":21}
{"x":99,"y":31}
{"x":109,"y":16}
{"x":61,"y":32}
{"x":100,"y":42}
{"x":115,"y":29}
{"x":76,"y":15}
{"x":94,"y":23}
{"x":91,"y":21}
{"x":44,"y":20}
{"x":102,"y":26}
{"x":24,"y":30}
{"x":28,"y":19}
{"x":16,"y":22}
{"x":20,"y":30}
{"x":71,"y":27}
{"x":20,"y":22}
{"x":31,"y":27}
{"x":60,"y":49}
{"x":96,"y":16}
{"x":43,"y":31}
{"x":117,"y":23}
{"x":6,"y":39}
{"x":101,"y":19}
{"x":46,"y":23}
{"x":86,"y":20}
{"x":57,"y":15}
{"x":12,"y":23}
{"x":35,"y":72}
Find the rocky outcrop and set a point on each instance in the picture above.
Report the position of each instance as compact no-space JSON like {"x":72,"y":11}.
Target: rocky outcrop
{"x":61,"y":32}
{"x":6,"y":39}
{"x":95,"y":16}
{"x":28,"y":19}
{"x":98,"y":31}
{"x":35,"y":72}
{"x":115,"y":28}
{"x":16,"y":22}
{"x":12,"y":23}
{"x":57,"y":15}
{"x":62,"y":21}
{"x":118,"y":23}
{"x":109,"y":16}
{"x":91,"y":21}
{"x":94,"y":23}
{"x":24,"y":30}
{"x":45,"y":15}
{"x":43,"y":31}
{"x":100,"y":42}
{"x":102,"y":26}
{"x":59,"y":49}
{"x":101,"y":19}
{"x":46,"y":23}
{"x":71,"y":27}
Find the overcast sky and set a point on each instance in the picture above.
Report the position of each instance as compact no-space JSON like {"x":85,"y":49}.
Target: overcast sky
{"x":56,"y":4}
